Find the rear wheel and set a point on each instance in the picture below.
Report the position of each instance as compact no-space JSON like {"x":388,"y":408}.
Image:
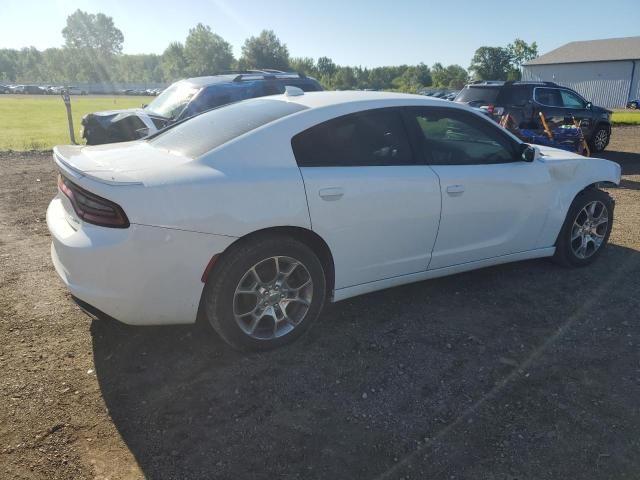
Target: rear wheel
{"x":586,"y":229}
{"x":600,"y":139}
{"x":265,"y":293}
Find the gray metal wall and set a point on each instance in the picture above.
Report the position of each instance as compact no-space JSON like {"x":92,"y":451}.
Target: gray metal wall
{"x":606,"y":84}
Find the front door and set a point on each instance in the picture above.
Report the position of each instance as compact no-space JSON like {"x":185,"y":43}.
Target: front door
{"x":493,"y":203}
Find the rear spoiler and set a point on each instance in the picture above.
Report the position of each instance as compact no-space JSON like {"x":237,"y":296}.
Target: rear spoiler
{"x":70,"y":170}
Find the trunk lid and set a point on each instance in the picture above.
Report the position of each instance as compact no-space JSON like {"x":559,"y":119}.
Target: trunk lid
{"x":116,"y":163}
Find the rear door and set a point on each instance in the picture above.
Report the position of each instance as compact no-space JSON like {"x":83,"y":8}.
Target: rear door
{"x":375,"y":207}
{"x":493,"y":203}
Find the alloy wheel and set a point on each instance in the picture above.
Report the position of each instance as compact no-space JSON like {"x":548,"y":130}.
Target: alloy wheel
{"x":273,"y":297}
{"x":600,"y":140}
{"x":589,"y":229}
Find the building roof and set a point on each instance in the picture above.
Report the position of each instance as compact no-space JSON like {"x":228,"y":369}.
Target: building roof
{"x":609,"y":49}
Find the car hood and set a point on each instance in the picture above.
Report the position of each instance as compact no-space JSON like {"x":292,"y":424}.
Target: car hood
{"x":116,"y":163}
{"x":110,"y":116}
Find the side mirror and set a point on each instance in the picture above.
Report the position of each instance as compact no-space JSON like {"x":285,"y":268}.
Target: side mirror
{"x":589,"y":105}
{"x":528,"y":153}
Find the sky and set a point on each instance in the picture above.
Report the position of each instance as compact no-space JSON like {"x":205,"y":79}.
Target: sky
{"x":351,"y":32}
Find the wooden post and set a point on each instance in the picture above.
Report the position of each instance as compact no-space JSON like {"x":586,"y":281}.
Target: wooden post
{"x":67,"y":103}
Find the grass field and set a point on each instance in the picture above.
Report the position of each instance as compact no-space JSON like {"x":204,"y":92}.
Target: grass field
{"x":37,"y":122}
{"x":626,"y":117}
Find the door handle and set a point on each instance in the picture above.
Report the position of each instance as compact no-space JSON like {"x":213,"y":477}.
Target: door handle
{"x":455,"y":189}
{"x":331,"y":194}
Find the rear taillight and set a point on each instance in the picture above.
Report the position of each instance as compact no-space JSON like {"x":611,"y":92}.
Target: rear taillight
{"x":91,"y":208}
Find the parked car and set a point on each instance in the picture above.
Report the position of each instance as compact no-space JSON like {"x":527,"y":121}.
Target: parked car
{"x":255,"y":214}
{"x":30,"y":90}
{"x":76,"y":91}
{"x":634,"y":104}
{"x":5,"y":89}
{"x":523,"y":100}
{"x":184,"y":99}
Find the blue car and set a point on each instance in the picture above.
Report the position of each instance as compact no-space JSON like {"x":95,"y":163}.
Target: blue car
{"x":187,"y":98}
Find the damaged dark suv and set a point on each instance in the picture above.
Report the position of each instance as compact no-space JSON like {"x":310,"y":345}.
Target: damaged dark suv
{"x":187,"y":98}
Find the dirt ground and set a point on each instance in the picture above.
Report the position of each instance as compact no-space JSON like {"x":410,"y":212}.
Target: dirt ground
{"x":522,"y":371}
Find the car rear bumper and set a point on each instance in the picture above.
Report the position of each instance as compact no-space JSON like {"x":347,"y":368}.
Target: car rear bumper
{"x":141,"y":275}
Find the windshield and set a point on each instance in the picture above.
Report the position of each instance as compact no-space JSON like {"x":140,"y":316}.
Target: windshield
{"x":172,"y":101}
{"x":211,"y":129}
{"x":478,"y":96}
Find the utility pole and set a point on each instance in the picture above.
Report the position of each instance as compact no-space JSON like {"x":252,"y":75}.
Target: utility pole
{"x":67,"y":103}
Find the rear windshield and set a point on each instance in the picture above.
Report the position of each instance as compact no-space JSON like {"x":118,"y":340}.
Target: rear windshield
{"x":205,"y":132}
{"x":478,"y":96}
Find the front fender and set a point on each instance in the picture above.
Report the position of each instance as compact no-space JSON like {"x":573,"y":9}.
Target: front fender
{"x":572,"y":176}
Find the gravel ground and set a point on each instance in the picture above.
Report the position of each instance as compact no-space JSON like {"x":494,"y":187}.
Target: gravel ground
{"x":522,"y":371}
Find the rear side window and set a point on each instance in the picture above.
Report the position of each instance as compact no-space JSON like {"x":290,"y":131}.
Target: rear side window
{"x":514,"y":96}
{"x":372,"y":138}
{"x":548,"y":96}
{"x":478,"y":96}
{"x":209,"y":130}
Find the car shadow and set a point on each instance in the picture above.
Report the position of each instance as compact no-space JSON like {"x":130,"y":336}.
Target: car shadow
{"x":358,"y":394}
{"x":630,"y":163}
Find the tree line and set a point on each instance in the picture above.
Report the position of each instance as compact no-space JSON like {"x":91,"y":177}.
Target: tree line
{"x":92,"y":52}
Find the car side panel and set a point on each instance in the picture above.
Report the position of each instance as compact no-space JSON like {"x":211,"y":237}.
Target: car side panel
{"x":571,"y":176}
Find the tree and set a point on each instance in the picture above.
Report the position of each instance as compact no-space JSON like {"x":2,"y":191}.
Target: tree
{"x":8,"y":64}
{"x":305,"y":65}
{"x":95,"y":32}
{"x":206,"y":53}
{"x":521,"y":52}
{"x":264,"y":51}
{"x":326,"y":66}
{"x":491,"y":63}
{"x":173,"y":63}
{"x":413,"y":78}
{"x":453,"y":76}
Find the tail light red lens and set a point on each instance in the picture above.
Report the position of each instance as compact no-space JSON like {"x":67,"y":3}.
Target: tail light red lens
{"x":91,"y":208}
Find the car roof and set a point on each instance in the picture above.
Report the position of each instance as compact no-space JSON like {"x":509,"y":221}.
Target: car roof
{"x":246,"y":76}
{"x":334,"y":98}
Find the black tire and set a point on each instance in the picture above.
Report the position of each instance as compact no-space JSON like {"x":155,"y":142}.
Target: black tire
{"x":565,"y":254}
{"x":600,"y":138}
{"x":230,"y":269}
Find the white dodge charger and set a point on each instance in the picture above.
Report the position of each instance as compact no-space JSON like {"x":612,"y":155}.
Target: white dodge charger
{"x":254,"y":214}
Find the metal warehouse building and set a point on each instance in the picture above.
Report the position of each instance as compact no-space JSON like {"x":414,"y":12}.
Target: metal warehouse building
{"x":605,"y":72}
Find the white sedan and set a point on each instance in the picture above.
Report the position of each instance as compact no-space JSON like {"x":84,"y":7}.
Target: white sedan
{"x":253,"y":215}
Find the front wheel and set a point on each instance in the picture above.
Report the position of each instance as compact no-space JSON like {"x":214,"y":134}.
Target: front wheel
{"x":586,"y":229}
{"x":265,"y":293}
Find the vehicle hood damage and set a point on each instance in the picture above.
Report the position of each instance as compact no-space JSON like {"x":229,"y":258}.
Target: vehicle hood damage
{"x":120,"y":125}
{"x":567,"y":165}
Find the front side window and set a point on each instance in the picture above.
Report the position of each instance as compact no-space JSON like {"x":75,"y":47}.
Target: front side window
{"x":571,"y":100}
{"x":372,"y":138}
{"x":549,"y":97}
{"x":449,"y":137}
